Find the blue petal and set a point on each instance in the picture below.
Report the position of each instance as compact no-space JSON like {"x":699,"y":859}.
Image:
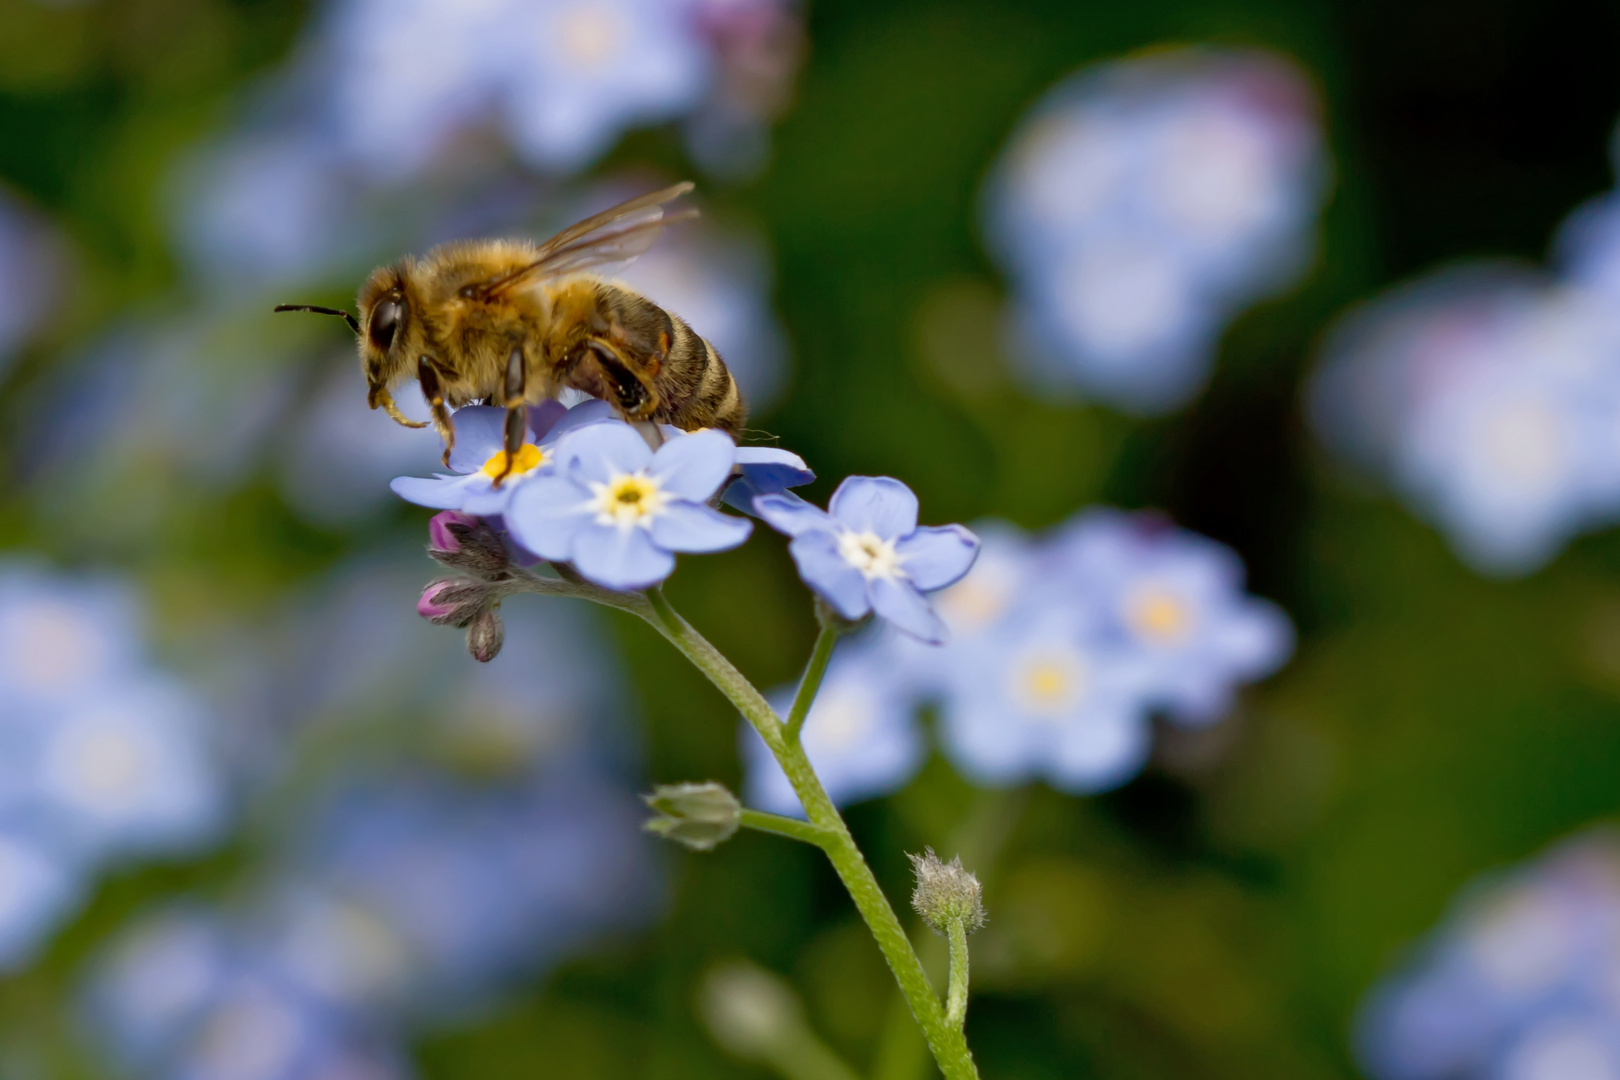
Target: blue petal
{"x":827,"y":572}
{"x":601,"y":451}
{"x":695,"y":527}
{"x":440,"y":492}
{"x":546,"y":513}
{"x":899,"y":602}
{"x":936,"y":556}
{"x":480,"y":435}
{"x":694,"y":466}
{"x":545,"y":416}
{"x":582,"y":415}
{"x":620,"y":558}
{"x":791,"y":515}
{"x":875,"y":504}
{"x":771,"y":470}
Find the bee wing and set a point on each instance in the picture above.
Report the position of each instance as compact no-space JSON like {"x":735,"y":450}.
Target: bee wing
{"x":612,"y":238}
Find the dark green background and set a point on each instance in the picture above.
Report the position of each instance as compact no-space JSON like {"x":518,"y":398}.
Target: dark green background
{"x":1219,"y":917}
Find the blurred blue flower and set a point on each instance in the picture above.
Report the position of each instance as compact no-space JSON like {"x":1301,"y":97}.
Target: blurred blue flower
{"x":40,"y":885}
{"x":479,"y":457}
{"x":861,"y":735}
{"x":1518,"y":983}
{"x":1174,"y":603}
{"x":866,"y":552}
{"x":62,"y":640}
{"x":1046,"y":696}
{"x":1143,"y":203}
{"x":619,"y":511}
{"x":1488,"y":397}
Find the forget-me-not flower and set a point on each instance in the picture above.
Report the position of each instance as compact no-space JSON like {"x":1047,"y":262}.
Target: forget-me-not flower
{"x":1518,"y":983}
{"x":40,"y":883}
{"x":619,"y":511}
{"x":866,"y":552}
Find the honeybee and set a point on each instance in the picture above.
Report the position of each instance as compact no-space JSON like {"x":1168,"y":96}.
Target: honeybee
{"x":510,"y":323}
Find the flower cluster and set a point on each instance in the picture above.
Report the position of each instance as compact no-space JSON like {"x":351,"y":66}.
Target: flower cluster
{"x":102,"y":756}
{"x":588,"y":490}
{"x":1060,"y":650}
{"x":402,"y":898}
{"x":1142,"y":204}
{"x":1519,"y":983}
{"x":1488,"y":396}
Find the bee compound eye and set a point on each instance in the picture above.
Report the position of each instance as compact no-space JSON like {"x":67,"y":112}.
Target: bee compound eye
{"x":385,"y":318}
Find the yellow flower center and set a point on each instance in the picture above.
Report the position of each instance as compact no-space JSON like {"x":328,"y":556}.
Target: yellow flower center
{"x":1049,"y":683}
{"x":529,"y":458}
{"x":869,"y":553}
{"x":1159,"y":616}
{"x":628,"y":499}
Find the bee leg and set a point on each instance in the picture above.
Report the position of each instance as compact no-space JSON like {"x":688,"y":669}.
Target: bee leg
{"x":516,"y":412}
{"x":428,"y":376}
{"x":633,"y":397}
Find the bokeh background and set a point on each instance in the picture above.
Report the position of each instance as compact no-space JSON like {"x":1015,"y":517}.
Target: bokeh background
{"x":1333,"y":285}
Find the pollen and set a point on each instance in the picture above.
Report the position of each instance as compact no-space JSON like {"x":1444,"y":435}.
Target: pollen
{"x":869,"y":553}
{"x":529,"y":458}
{"x":628,"y":499}
{"x":1159,"y":616}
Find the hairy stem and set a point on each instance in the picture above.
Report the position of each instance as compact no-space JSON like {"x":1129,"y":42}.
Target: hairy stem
{"x":947,"y":1043}
{"x":792,"y":828}
{"x":811,"y":683}
{"x":956,"y":997}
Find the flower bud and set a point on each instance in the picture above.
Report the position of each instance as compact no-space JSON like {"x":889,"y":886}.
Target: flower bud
{"x":697,"y":815}
{"x":486,"y":634}
{"x":452,"y":601}
{"x":465,"y":542}
{"x":946,"y":893}
{"x":749,"y":1011}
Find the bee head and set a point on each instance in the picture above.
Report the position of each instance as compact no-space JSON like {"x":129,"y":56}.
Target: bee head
{"x":386,"y":330}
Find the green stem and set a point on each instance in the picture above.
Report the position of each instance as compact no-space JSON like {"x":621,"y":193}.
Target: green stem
{"x":811,"y":683}
{"x":947,"y":1043}
{"x":956,"y":997}
{"x":792,"y":828}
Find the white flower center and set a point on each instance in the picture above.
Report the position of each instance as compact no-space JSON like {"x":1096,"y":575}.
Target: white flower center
{"x":590,"y":35}
{"x":628,"y":499}
{"x":869,"y":553}
{"x":52,"y":646}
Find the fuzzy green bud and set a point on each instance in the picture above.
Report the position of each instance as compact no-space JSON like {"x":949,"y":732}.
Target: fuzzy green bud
{"x":946,"y":894}
{"x":697,"y":815}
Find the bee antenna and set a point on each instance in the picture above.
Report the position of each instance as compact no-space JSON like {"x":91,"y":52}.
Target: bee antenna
{"x":354,"y":324}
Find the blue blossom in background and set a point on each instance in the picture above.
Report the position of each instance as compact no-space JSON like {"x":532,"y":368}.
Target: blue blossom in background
{"x":103,"y":758}
{"x":1488,"y":398}
{"x":866,"y":553}
{"x":618,"y":510}
{"x":1143,"y":204}
{"x":1061,"y":650}
{"x":1518,"y":983}
{"x":860,"y":735}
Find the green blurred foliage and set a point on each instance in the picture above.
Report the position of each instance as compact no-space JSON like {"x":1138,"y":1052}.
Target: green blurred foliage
{"x":1221,"y":916}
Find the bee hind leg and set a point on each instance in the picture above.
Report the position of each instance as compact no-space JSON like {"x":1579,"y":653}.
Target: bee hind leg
{"x":517,"y":420}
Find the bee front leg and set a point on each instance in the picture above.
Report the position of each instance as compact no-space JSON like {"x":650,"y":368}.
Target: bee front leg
{"x":428,"y":376}
{"x":517,"y":420}
{"x":624,"y":387}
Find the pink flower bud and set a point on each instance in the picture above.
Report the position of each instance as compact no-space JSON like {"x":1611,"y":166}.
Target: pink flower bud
{"x":440,"y":535}
{"x":431,"y":607}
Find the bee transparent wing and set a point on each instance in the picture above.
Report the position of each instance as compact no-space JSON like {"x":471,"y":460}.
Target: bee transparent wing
{"x":611,"y":239}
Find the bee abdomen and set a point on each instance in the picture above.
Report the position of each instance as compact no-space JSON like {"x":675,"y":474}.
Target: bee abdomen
{"x":711,"y":397}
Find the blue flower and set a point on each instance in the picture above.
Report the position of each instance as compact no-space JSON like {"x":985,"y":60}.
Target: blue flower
{"x":1045,"y":696}
{"x":764,"y":470}
{"x":1518,"y":982}
{"x":1175,"y":603}
{"x":40,"y":886}
{"x":618,"y":510}
{"x":866,"y":552}
{"x":861,"y":735}
{"x":479,"y":457}
{"x":62,"y":640}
